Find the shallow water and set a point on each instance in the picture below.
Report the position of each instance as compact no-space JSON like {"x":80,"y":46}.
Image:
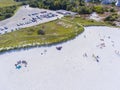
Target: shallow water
{"x":74,"y":67}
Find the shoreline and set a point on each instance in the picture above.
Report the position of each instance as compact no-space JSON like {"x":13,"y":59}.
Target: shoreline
{"x":36,"y":45}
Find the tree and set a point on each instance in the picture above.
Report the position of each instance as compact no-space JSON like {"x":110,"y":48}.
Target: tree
{"x":81,"y":2}
{"x":84,"y":10}
{"x":112,"y":17}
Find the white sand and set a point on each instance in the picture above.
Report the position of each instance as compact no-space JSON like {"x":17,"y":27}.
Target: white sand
{"x":95,"y":17}
{"x":67,"y":69}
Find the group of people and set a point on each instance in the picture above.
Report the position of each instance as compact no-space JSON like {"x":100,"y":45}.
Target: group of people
{"x":95,"y":57}
{"x":21,"y":64}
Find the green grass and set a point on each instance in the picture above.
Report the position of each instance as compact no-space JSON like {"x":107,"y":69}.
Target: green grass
{"x":55,"y":32}
{"x":86,"y":22}
{"x":5,"y":3}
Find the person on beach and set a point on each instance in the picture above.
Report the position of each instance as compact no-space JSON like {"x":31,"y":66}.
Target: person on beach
{"x":96,"y":58}
{"x":85,"y":55}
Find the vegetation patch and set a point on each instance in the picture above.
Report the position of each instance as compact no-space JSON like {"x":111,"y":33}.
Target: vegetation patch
{"x":86,"y":22}
{"x":6,"y":3}
{"x":7,"y":12}
{"x":44,"y":34}
{"x":112,"y":17}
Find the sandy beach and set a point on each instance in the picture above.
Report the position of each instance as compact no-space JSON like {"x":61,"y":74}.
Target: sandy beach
{"x":89,"y":62}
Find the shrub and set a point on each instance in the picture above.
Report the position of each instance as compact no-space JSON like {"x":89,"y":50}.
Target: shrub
{"x":85,"y":10}
{"x":8,"y":15}
{"x":99,"y":9}
{"x":41,"y":32}
{"x":7,"y":12}
{"x":112,"y":10}
{"x":112,"y":17}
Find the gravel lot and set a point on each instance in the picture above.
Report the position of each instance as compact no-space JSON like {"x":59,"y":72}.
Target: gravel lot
{"x":27,"y":17}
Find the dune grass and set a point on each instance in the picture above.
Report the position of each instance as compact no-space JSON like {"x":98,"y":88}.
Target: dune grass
{"x":86,"y":22}
{"x":55,"y":32}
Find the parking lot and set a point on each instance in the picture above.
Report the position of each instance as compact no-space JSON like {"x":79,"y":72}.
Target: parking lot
{"x":27,"y":17}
